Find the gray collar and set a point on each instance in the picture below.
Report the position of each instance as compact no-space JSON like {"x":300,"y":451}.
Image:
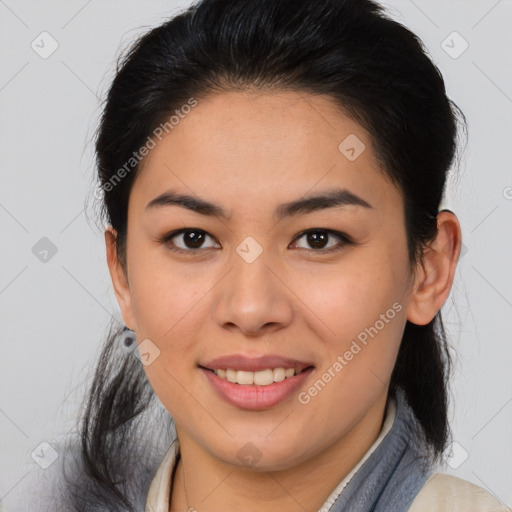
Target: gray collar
{"x":394,"y":473}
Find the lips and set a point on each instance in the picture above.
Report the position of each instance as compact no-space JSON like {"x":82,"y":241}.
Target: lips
{"x":260,"y":394}
{"x":243,"y":363}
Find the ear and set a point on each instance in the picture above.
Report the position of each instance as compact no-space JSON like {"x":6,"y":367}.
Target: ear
{"x":435,"y":273}
{"x":119,"y":276}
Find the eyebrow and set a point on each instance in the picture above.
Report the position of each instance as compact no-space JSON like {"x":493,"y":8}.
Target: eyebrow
{"x":328,"y":199}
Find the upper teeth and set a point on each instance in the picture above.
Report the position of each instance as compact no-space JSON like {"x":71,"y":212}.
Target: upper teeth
{"x":260,"y":378}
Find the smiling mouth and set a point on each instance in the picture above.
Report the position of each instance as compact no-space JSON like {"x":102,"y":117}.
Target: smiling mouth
{"x":264,"y":377}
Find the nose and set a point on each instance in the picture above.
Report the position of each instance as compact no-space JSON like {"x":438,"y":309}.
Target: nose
{"x":253,"y":299}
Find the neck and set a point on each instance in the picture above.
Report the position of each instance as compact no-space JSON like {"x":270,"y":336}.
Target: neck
{"x":205,"y":483}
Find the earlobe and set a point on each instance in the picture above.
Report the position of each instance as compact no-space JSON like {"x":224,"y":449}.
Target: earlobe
{"x":436,"y":271}
{"x":118,"y":277}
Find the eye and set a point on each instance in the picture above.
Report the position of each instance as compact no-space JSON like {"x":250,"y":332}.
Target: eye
{"x":318,"y":238}
{"x":191,"y":240}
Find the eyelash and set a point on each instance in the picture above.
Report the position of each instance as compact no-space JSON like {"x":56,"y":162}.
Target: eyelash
{"x":345,"y":240}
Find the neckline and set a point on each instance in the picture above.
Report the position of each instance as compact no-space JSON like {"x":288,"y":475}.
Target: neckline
{"x":158,"y":498}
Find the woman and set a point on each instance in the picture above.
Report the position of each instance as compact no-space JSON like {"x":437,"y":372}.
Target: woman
{"x":272,"y":173}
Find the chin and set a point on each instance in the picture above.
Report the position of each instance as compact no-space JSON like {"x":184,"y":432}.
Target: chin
{"x":259,"y":454}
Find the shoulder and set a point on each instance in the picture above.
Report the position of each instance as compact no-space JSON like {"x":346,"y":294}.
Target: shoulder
{"x":447,"y":493}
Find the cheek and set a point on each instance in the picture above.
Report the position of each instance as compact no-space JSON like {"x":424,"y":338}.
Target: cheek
{"x":166,"y":300}
{"x":352,"y":297}
{"x":170,"y":304}
{"x":162,"y":292}
{"x":362,"y":316}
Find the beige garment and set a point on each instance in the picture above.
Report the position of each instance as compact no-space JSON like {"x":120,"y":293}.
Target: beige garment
{"x":446,"y":493}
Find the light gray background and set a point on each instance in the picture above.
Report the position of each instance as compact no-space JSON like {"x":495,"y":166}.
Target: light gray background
{"x":54,"y":314}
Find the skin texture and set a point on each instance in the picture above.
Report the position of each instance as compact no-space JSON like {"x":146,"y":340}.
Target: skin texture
{"x":249,"y":152}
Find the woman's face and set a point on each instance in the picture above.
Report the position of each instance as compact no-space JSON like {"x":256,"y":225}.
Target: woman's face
{"x":252,"y":284}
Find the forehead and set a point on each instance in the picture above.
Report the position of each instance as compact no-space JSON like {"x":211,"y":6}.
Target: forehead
{"x":256,"y":146}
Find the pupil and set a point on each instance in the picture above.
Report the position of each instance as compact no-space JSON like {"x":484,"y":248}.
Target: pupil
{"x":194,"y":239}
{"x":317,"y":239}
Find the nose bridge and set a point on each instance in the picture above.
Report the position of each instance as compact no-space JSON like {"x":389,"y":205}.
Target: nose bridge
{"x":252,"y":282}
{"x":252,"y":259}
{"x":252,"y":276}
